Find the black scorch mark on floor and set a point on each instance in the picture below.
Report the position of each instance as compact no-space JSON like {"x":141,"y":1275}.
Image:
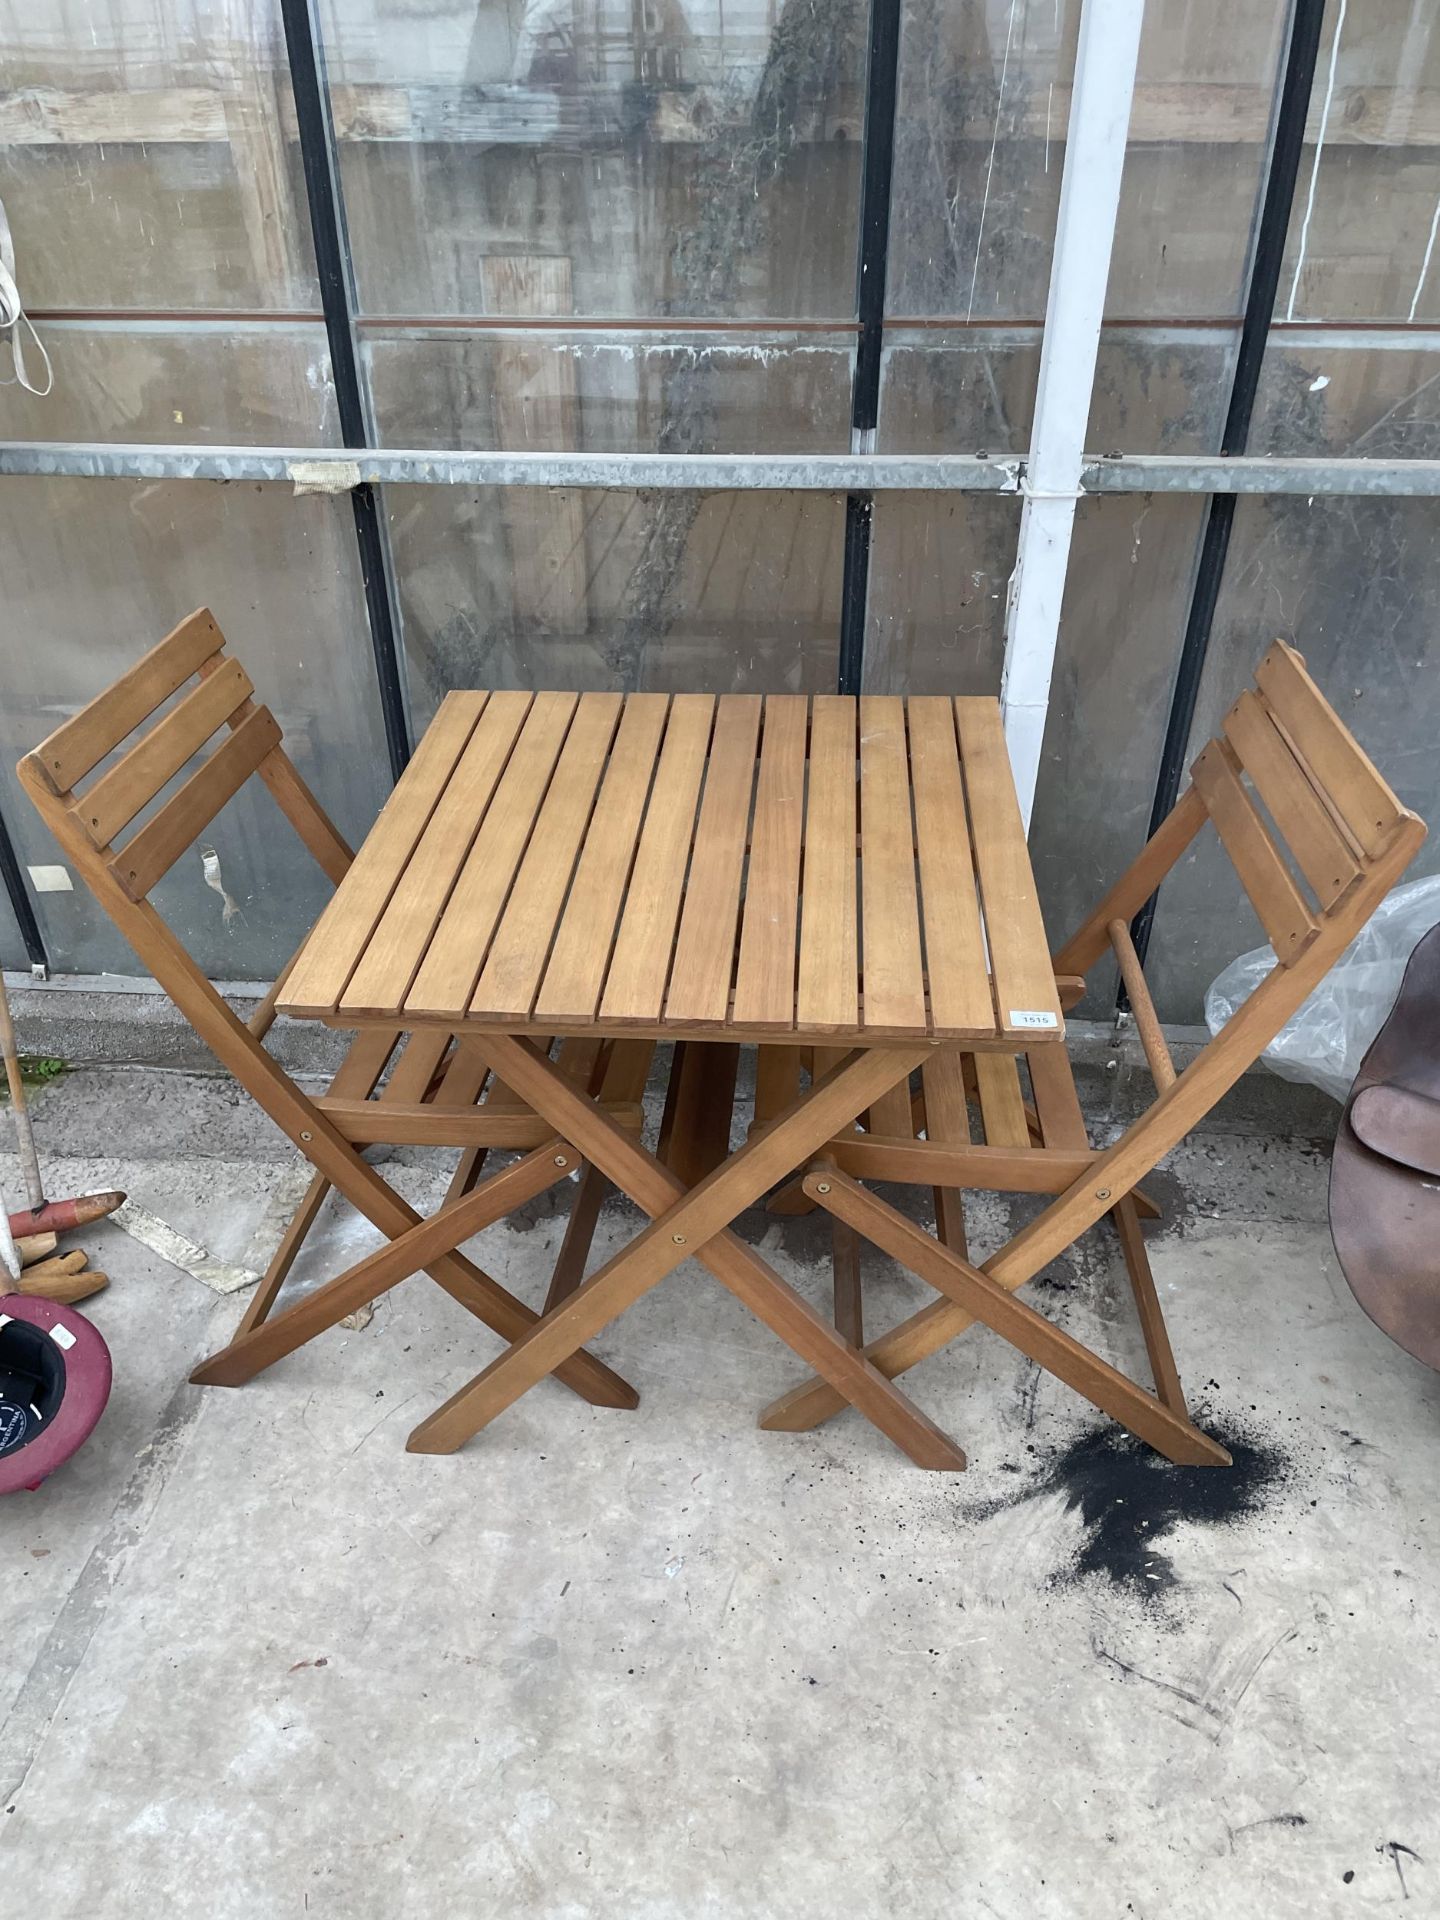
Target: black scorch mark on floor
{"x":1130,"y":1500}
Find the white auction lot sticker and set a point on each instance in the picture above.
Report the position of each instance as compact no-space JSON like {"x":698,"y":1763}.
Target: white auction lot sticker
{"x":1021,"y":1019}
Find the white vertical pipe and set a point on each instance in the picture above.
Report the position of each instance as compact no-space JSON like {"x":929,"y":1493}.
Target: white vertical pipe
{"x":1105,"y":61}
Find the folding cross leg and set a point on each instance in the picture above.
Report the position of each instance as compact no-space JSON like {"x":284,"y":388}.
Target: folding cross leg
{"x":1317,"y":839}
{"x":439,"y":1091}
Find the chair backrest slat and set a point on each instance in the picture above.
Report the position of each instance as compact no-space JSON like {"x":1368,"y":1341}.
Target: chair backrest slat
{"x":151,"y":853}
{"x":1337,"y":764}
{"x":1322,"y":851}
{"x":78,"y":746}
{"x":1274,"y":894}
{"x":129,"y":786}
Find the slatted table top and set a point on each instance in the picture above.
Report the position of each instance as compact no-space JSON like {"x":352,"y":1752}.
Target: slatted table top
{"x":738,"y":866}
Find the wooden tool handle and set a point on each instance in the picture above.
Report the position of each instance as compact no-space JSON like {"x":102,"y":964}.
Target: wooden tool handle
{"x":57,"y":1263}
{"x":67,"y":1288}
{"x":61,"y":1216}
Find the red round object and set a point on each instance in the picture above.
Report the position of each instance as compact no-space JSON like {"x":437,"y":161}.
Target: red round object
{"x":54,"y":1382}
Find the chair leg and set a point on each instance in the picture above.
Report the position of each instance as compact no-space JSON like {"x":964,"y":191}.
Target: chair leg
{"x":1148,"y":1416}
{"x":1147,"y":1304}
{"x":845,"y":1262}
{"x":616,"y":1071}
{"x":579,"y":1233}
{"x":291,"y":1241}
{"x":950,"y":1221}
{"x":468,"y":1170}
{"x":250,"y":1353}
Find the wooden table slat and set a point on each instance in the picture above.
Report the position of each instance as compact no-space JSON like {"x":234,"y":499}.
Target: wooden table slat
{"x":960,"y":999}
{"x":777,"y":869}
{"x":510,"y":978}
{"x":320,"y":975}
{"x":394,"y":951}
{"x":640,"y":966}
{"x":828,"y":995}
{"x":889,"y":902}
{"x":576,"y":971}
{"x":705,"y":949}
{"x":459,"y":944}
{"x":765,"y":974}
{"x":1026,"y":1001}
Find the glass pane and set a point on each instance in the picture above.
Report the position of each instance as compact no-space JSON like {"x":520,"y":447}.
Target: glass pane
{"x":984,"y":107}
{"x":95,"y":572}
{"x":1126,"y":597}
{"x":979,"y":144}
{"x":613,"y":392}
{"x":1376,"y":395}
{"x":1199,"y":134}
{"x":959,"y":390}
{"x":654,"y":160}
{"x":148,"y":157}
{"x":1355,"y":585}
{"x":1157,"y":390}
{"x":1362,"y":240}
{"x":939,"y":567}
{"x":518,"y":587}
{"x":237,"y":384}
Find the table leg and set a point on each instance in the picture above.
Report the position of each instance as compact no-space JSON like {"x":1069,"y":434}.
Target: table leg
{"x":694,"y":1222}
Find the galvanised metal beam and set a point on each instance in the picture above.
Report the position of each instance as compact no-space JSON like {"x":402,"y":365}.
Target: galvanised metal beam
{"x":339,"y":469}
{"x":1258,"y":473}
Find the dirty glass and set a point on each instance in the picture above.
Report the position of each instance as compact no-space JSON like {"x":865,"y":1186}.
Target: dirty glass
{"x":1362,"y":240}
{"x":939,"y":567}
{"x":240,"y":383}
{"x":1157,"y":390}
{"x":1126,"y":595}
{"x":151,"y":179}
{"x":1375,"y":396}
{"x":718,"y":592}
{"x":96,"y":572}
{"x":603,"y":159}
{"x":610,"y":392}
{"x":983,"y":109}
{"x":1353,"y":362}
{"x":1355,"y":585}
{"x":148,"y":158}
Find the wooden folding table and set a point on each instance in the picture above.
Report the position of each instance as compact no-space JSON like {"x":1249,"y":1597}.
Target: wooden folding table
{"x":848,"y":877}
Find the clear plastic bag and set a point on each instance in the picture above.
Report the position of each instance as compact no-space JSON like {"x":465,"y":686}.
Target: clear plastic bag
{"x":1324,"y":1043}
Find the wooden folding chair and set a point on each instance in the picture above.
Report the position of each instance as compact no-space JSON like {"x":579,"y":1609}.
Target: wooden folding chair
{"x":1317,"y":839}
{"x":439,"y":1091}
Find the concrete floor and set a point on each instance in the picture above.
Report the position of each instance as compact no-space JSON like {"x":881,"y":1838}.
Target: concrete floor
{"x":256,"y":1660}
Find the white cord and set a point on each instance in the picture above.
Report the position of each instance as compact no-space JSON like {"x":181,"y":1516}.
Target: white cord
{"x":1042,"y":493}
{"x":15,"y":323}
